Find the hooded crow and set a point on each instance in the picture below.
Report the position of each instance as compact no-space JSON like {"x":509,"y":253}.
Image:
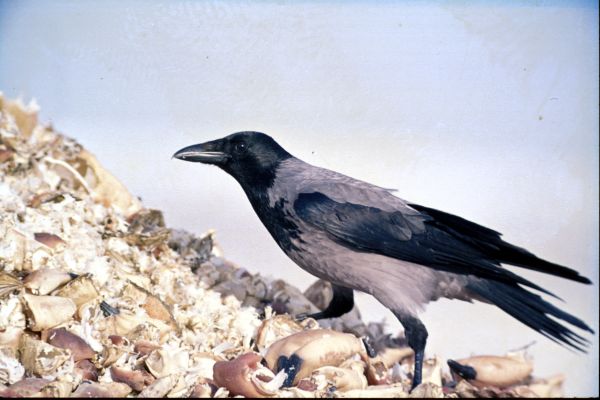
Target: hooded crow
{"x":360,"y":236}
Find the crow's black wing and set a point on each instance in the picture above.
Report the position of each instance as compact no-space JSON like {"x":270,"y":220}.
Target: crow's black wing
{"x":393,"y":234}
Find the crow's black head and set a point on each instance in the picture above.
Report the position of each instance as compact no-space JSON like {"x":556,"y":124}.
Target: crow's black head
{"x":250,"y":157}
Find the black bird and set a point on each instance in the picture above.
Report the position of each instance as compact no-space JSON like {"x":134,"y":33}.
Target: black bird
{"x":359,"y":236}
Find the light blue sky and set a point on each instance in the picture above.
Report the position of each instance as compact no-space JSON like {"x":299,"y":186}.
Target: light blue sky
{"x":488,"y":110}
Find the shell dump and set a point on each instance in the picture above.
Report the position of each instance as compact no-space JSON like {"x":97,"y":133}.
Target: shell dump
{"x":99,"y":298}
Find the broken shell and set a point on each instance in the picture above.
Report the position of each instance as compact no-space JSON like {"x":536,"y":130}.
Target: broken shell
{"x":245,"y":376}
{"x":163,"y":362}
{"x":57,"y":389}
{"x":491,"y":370}
{"x":154,"y":307}
{"x":205,"y":388}
{"x":392,"y":355}
{"x":43,"y":281}
{"x":8,"y":283}
{"x":27,"y":387}
{"x":382,"y":392}
{"x":80,"y":290}
{"x":87,"y":370}
{"x":549,"y":387}
{"x":343,"y":379}
{"x":11,"y":370}
{"x":144,"y":347}
{"x":122,"y":324}
{"x":160,"y":387}
{"x":10,"y":338}
{"x":66,"y":340}
{"x":102,"y":389}
{"x":48,"y":311}
{"x":275,"y":328}
{"x":377,"y":372}
{"x":49,"y":240}
{"x":313,"y":349}
{"x":137,"y":380}
{"x":41,"y":358}
{"x":427,"y":390}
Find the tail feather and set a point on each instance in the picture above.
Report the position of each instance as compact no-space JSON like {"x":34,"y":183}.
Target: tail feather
{"x":533,"y":311}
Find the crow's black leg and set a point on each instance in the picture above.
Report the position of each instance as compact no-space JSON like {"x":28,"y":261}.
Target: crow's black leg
{"x":341,"y":303}
{"x":416,"y":335}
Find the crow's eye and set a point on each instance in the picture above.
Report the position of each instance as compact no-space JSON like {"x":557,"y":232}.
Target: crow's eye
{"x":240,"y":148}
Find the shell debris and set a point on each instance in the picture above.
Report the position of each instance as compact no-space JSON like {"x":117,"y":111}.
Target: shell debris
{"x":99,"y":298}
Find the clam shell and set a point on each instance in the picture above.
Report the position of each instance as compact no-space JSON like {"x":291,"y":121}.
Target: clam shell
{"x":57,"y":389}
{"x":160,"y":387}
{"x":497,"y":370}
{"x":47,"y":311}
{"x":163,"y":362}
{"x":49,"y":240}
{"x":8,"y":283}
{"x":41,"y":358}
{"x":27,"y":387}
{"x":66,"y":340}
{"x":101,"y":389}
{"x":80,"y":290}
{"x":44,"y":281}
{"x":137,"y":380}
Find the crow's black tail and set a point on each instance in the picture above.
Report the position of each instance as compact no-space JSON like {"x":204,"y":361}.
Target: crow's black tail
{"x":533,"y":311}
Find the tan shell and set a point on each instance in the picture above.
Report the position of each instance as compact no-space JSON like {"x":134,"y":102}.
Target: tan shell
{"x":44,"y":281}
{"x":10,"y":338}
{"x":497,"y":370}
{"x":344,"y":379}
{"x":87,"y":370}
{"x":316,"y":348}
{"x":154,"y":307}
{"x":275,"y":328}
{"x":80,"y":290}
{"x":18,"y":257}
{"x":47,"y":311}
{"x":106,"y":188}
{"x":163,"y":362}
{"x":66,"y":340}
{"x":57,"y":389}
{"x":160,"y":387}
{"x":381,"y":391}
{"x":39,"y":357}
{"x":103,"y":389}
{"x":137,"y":380}
{"x":205,"y":388}
{"x":427,"y":390}
{"x":392,"y":355}
{"x":8,"y":283}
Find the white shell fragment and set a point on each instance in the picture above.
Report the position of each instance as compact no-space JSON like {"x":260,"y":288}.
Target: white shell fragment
{"x":99,"y":298}
{"x":47,"y":311}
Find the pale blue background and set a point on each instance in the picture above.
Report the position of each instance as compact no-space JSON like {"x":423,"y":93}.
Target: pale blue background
{"x":485,"y":109}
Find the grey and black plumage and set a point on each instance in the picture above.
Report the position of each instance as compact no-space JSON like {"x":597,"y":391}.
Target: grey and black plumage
{"x":359,"y":236}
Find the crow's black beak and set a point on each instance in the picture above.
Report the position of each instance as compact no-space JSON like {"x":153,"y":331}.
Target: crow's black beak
{"x":206,"y":153}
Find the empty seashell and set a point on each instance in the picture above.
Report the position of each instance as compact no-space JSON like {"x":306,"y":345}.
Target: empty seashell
{"x":303,"y":352}
{"x":163,"y":362}
{"x":427,"y":390}
{"x":66,"y":340}
{"x":49,"y":240}
{"x":377,"y":372}
{"x":87,"y":370}
{"x":392,"y":355}
{"x":381,"y":391}
{"x":8,"y":283}
{"x":27,"y":387}
{"x":15,"y":255}
{"x":44,"y":281}
{"x":57,"y":389}
{"x":41,"y":358}
{"x":344,"y":379}
{"x":160,"y":387}
{"x":275,"y":328}
{"x":245,"y":376}
{"x":136,"y":379}
{"x":47,"y":311}
{"x":144,"y":347}
{"x":11,"y":370}
{"x":80,"y":290}
{"x":205,"y":388}
{"x":154,"y":307}
{"x":549,"y":387}
{"x":498,"y":371}
{"x":102,"y":389}
{"x":10,"y":338}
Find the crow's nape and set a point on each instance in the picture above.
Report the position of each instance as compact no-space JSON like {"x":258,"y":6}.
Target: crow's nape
{"x":533,"y":311}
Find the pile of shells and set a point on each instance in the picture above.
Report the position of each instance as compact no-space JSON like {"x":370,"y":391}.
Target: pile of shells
{"x":98,"y":298}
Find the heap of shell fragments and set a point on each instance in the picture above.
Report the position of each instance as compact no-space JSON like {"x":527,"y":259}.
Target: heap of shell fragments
{"x":99,"y":298}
